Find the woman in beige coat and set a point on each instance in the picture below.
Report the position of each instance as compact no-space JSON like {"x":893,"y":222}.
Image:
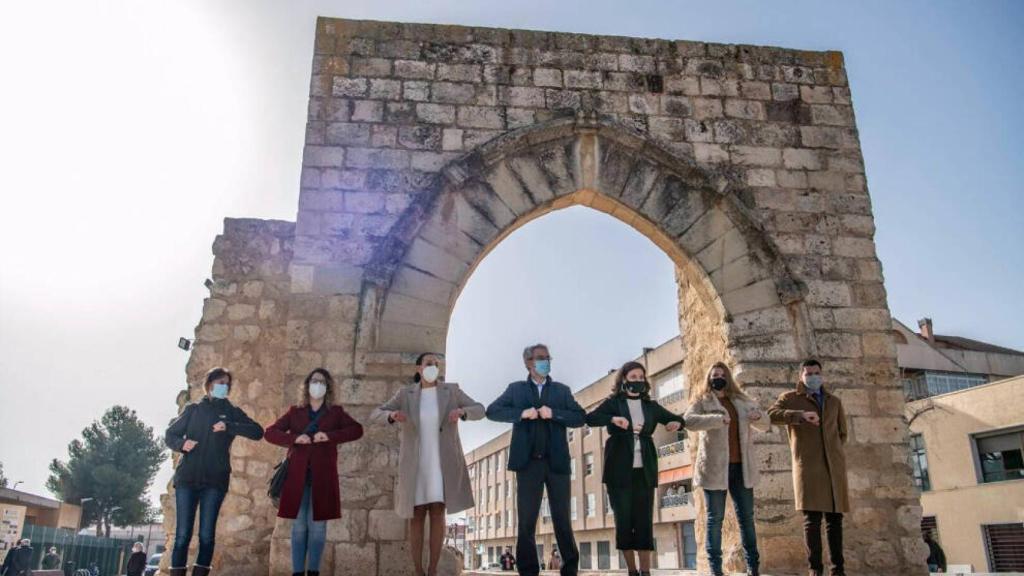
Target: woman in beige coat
{"x":726,"y":461}
{"x":432,"y":473}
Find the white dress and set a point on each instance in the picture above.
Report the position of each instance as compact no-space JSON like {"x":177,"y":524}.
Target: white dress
{"x":429,"y":480}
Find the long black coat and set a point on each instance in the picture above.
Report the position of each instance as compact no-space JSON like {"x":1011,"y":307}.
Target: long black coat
{"x":209,"y":462}
{"x":136,"y":564}
{"x":618,"y":450}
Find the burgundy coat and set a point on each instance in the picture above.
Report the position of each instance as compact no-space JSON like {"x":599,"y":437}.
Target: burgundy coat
{"x":322,"y":457}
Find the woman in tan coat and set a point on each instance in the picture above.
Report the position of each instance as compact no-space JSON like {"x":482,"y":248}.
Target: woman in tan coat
{"x":432,"y":474}
{"x":726,"y":459}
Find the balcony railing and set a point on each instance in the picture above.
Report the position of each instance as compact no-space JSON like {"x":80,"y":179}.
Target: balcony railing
{"x":673,"y":448}
{"x":675,"y":500}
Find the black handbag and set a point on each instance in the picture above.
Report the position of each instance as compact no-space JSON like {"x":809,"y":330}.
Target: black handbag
{"x":276,"y":484}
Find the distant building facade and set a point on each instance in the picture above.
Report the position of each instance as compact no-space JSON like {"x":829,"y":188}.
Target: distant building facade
{"x":967,"y":449}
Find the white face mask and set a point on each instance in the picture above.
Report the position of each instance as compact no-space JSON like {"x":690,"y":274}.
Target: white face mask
{"x":430,"y":373}
{"x":317,"y":390}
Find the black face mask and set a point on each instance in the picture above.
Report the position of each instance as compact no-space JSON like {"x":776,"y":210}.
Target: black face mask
{"x":635,"y":387}
{"x":719,"y":384}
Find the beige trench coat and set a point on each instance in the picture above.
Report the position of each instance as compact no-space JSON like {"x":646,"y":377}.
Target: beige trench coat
{"x":819,"y":461}
{"x":711,"y":467}
{"x":458,"y":494}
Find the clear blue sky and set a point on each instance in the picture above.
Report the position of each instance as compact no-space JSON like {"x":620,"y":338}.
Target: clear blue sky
{"x":131,"y":128}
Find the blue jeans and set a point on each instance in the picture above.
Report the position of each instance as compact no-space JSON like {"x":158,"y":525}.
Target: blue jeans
{"x":186,"y":500}
{"x":743,"y":503}
{"x":308,"y":536}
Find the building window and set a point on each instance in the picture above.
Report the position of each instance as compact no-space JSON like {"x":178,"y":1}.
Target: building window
{"x":919,"y":461}
{"x":1005,"y":546}
{"x":591,"y":505}
{"x":497,"y":463}
{"x":572,"y":468}
{"x":930,"y":526}
{"x":586,"y":562}
{"x":472,"y":471}
{"x":545,"y":510}
{"x":572,"y":508}
{"x":588,"y":463}
{"x":508,"y":489}
{"x":498,"y":499}
{"x":1001,"y":456}
{"x":497,"y":520}
{"x":604,"y":559}
{"x":607,"y":500}
{"x":508,"y":519}
{"x":586,"y":431}
{"x":571,"y":435}
{"x":689,"y":543}
{"x":926,"y":384}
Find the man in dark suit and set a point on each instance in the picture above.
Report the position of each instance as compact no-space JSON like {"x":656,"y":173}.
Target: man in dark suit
{"x":540,"y":410}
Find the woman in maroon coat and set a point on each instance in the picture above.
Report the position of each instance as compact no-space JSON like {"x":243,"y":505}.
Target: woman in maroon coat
{"x":312,"y":431}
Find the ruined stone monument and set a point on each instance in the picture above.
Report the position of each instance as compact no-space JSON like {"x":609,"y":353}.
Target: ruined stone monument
{"x":427,"y":145}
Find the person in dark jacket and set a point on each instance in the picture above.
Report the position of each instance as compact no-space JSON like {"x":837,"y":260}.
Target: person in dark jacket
{"x":19,"y":559}
{"x":51,"y":561}
{"x":540,"y":410}
{"x":508,"y":561}
{"x":203,"y":434}
{"x":631,"y":461}
{"x":312,"y":431}
{"x":137,"y":561}
{"x":936,"y":557}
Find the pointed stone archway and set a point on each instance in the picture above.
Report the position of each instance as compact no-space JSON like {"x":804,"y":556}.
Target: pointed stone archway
{"x":427,"y":145}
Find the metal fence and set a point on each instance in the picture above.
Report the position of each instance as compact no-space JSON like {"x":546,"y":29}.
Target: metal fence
{"x":110,"y":554}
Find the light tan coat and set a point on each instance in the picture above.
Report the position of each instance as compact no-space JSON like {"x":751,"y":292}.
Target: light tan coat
{"x":458,"y":493}
{"x":711,"y":467}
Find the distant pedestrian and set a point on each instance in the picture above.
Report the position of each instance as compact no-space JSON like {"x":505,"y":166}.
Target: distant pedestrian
{"x":508,"y":561}
{"x":137,"y":561}
{"x":51,"y":561}
{"x":936,"y":557}
{"x":20,"y":559}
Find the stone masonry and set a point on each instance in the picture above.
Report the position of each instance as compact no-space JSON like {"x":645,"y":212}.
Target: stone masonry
{"x":426,"y":145}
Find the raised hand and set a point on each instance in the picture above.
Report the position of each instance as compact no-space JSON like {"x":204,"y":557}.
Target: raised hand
{"x":398,"y":416}
{"x":811,"y":418}
{"x":455,"y":415}
{"x":302,"y":439}
{"x":220,"y":426}
{"x":544,"y":413}
{"x":726,"y":420}
{"x":673,"y":426}
{"x":320,"y":437}
{"x":620,"y":422}
{"x":530,"y":414}
{"x":189,"y":445}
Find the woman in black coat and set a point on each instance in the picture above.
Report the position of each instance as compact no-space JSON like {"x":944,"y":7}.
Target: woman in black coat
{"x":137,"y":561}
{"x":203,"y":434}
{"x":631,"y":461}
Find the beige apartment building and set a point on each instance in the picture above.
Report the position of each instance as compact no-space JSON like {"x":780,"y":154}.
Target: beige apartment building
{"x":968,"y":456}
{"x":933,"y":367}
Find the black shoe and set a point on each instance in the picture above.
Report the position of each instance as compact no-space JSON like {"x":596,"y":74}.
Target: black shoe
{"x":198,"y":570}
{"x":177,"y":571}
{"x":312,"y":573}
{"x":753,"y":572}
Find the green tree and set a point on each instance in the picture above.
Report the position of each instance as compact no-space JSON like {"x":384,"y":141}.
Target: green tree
{"x":112,"y":465}
{"x":3,"y":477}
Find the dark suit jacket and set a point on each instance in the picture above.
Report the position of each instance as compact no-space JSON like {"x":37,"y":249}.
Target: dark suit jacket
{"x":566,"y":413}
{"x":618,"y":450}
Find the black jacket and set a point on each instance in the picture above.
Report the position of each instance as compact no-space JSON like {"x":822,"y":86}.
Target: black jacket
{"x":51,"y":561}
{"x":566,"y":413}
{"x":618,"y":450}
{"x":136,"y":564}
{"x":18,"y":561}
{"x":208,"y":464}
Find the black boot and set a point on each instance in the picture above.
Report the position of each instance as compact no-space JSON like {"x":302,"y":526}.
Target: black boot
{"x":312,"y":573}
{"x":198,"y":570}
{"x":298,"y":574}
{"x":177,"y":571}
{"x":753,"y":571}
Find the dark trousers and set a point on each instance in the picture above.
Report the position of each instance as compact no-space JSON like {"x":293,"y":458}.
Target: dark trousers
{"x":812,"y":537}
{"x":743,"y":505}
{"x":531,"y":482}
{"x":186,"y":500}
{"x":633,"y":507}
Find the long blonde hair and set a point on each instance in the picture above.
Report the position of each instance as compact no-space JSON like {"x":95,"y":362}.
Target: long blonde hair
{"x":732,"y":389}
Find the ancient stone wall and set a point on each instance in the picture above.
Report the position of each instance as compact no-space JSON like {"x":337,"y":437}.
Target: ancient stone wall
{"x":427,"y":145}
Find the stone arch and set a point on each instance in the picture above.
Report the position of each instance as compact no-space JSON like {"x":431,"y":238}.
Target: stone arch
{"x":692,"y":213}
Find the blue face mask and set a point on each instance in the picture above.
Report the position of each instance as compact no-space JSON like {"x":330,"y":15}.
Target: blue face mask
{"x":813,"y":382}
{"x":219,"y":390}
{"x":542,"y":367}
